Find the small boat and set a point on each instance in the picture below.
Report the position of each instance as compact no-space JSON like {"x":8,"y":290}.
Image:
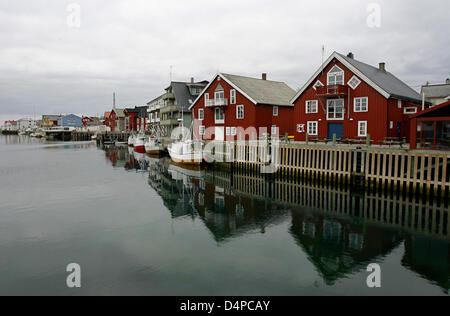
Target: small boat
{"x":153,"y":146}
{"x":139,"y":143}
{"x":188,"y":152}
{"x":131,"y":140}
{"x":94,"y":137}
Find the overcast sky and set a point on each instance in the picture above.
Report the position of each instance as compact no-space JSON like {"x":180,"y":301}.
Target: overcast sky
{"x":48,"y":65}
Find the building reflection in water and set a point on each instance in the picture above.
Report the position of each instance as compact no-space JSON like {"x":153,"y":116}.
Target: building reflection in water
{"x":340,"y":231}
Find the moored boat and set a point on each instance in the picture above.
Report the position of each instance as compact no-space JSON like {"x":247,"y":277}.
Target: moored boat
{"x":187,"y":152}
{"x":139,"y":143}
{"x":153,"y":146}
{"x":131,"y":140}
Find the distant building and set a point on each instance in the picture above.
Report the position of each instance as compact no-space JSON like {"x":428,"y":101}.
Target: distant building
{"x":136,"y":119}
{"x":154,"y":115}
{"x":349,"y":98}
{"x":117,"y":120}
{"x":51,"y":120}
{"x":437,"y":93}
{"x":11,"y":126}
{"x":90,"y":121}
{"x":72,"y":120}
{"x":27,"y":123}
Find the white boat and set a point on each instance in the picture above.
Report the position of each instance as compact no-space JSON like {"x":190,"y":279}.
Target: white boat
{"x":139,"y":143}
{"x":189,"y":152}
{"x":131,"y":140}
{"x":94,"y":137}
{"x":153,"y":146}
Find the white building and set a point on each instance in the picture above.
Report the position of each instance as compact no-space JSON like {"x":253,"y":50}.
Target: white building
{"x":26,"y":123}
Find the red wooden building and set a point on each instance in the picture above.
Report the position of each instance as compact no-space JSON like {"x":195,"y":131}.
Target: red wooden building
{"x":136,"y":119}
{"x":430,"y":129}
{"x":348,"y":98}
{"x":117,"y":120}
{"x":235,"y":107}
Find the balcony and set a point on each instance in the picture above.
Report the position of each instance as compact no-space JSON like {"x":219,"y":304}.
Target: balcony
{"x":170,"y":122}
{"x":216,"y":102}
{"x":169,"y":108}
{"x":332,"y":91}
{"x":168,"y":96}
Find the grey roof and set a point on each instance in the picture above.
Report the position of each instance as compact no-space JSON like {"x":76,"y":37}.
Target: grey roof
{"x":437,"y":91}
{"x":385,"y":80}
{"x":183,"y":94}
{"x":263,"y":91}
{"x":119,"y":112}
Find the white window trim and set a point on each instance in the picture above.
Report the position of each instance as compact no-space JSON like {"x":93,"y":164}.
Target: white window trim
{"x":407,"y":109}
{"x":357,"y":85}
{"x":233,"y":131}
{"x":274,"y":130}
{"x":341,"y":71}
{"x":315,"y":85}
{"x":219,"y":92}
{"x":399,"y":104}
{"x":237,"y":112}
{"x":308,"y":131}
{"x":312,"y":112}
{"x":201,"y":130}
{"x":359,"y":128}
{"x":336,"y":119}
{"x":275,"y":111}
{"x":206,"y":99}
{"x":354,"y":104}
{"x":228,"y":131}
{"x":233,"y":96}
{"x":215,"y":117}
{"x":201,"y":117}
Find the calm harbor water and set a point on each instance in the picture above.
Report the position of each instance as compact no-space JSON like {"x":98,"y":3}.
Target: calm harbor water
{"x":139,"y":225}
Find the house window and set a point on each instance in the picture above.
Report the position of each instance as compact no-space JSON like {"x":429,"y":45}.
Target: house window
{"x":228,"y":131}
{"x":399,"y":104}
{"x":362,"y":128}
{"x":201,"y":114}
{"x":410,"y":110}
{"x":336,"y":76}
{"x":233,"y":131}
{"x":274,"y":130}
{"x":361,"y":105}
{"x":313,"y":128}
{"x":275,"y":111}
{"x":233,"y":96}
{"x":219,"y":95}
{"x":312,"y":107}
{"x":206,"y":99}
{"x":354,"y":82}
{"x":219,"y":116}
{"x":317,"y":85}
{"x":201,"y":130}
{"x":335,"y":109}
{"x":240,"y":112}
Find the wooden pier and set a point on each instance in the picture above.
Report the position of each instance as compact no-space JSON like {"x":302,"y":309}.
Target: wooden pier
{"x":371,"y":167}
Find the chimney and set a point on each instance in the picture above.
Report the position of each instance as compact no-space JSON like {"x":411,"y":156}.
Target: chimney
{"x":383,"y":67}
{"x":264,"y":76}
{"x":350,"y":55}
{"x":447,"y":81}
{"x":192,"y":80}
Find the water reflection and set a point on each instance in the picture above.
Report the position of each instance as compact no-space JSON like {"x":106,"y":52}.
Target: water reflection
{"x":340,"y":231}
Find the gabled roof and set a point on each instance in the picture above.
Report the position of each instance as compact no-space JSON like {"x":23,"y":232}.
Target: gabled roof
{"x":442,"y":110}
{"x":183,"y":94}
{"x":258,"y":91}
{"x":119,"y":112}
{"x":384,"y":82}
{"x":437,"y":91}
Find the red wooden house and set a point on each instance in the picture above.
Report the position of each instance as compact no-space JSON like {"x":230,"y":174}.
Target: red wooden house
{"x":348,"y":98}
{"x":117,"y":120}
{"x":136,"y":119}
{"x":430,"y":129}
{"x":235,"y":107}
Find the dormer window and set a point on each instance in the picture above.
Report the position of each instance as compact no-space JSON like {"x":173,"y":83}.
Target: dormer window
{"x":335,"y":76}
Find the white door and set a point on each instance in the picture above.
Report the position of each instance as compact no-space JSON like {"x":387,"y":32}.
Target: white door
{"x":219,"y":132}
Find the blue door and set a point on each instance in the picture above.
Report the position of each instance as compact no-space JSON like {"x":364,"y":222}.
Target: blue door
{"x":335,"y":128}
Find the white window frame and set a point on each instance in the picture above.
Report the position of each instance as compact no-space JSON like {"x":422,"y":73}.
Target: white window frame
{"x":233,"y":96}
{"x":399,"y":104}
{"x":335,"y":74}
{"x":201,"y":130}
{"x":359,"y":129}
{"x":311,"y":125}
{"x":355,"y":100}
{"x":407,"y":110}
{"x":356,"y":85}
{"x":308,"y":107}
{"x":317,"y":84}
{"x":219,"y":121}
{"x":206,"y":99}
{"x":328,"y":112}
{"x":233,"y":131}
{"x":228,"y":131}
{"x":275,"y":130}
{"x":275,"y":111}
{"x":202,"y":116}
{"x":219,"y":93}
{"x":237,"y":112}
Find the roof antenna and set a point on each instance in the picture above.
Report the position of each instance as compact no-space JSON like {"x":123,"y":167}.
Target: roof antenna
{"x":323,"y":56}
{"x":171,"y":73}
{"x":114,"y":100}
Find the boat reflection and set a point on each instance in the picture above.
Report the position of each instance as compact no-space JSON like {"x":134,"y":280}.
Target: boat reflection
{"x":340,"y":231}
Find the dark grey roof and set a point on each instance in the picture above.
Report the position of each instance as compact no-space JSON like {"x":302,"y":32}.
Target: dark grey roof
{"x":437,"y":91}
{"x":385,"y":80}
{"x":183,"y":94}
{"x":263,"y":91}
